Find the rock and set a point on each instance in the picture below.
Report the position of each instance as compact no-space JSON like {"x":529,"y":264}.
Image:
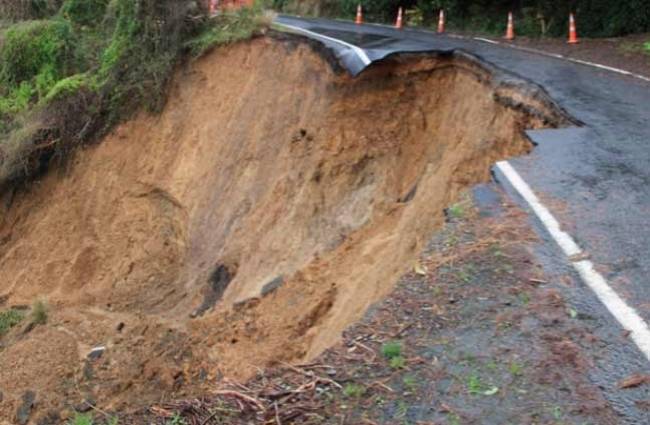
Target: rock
{"x":120,"y":326}
{"x":86,"y":404}
{"x":25,"y":409}
{"x":96,"y":352}
{"x":272,"y":286}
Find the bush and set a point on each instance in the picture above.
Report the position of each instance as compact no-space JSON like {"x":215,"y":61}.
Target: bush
{"x":69,"y":79}
{"x":84,"y":12}
{"x":35,"y":48}
{"x":9,"y":319}
{"x":228,"y":28}
{"x":39,"y":313}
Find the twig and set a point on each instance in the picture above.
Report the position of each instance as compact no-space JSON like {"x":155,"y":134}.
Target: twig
{"x":241,"y":396}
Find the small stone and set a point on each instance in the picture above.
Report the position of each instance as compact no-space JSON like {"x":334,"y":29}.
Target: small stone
{"x":86,"y":404}
{"x":272,"y":286}
{"x":25,"y":409}
{"x":96,"y":353}
{"x":120,"y":326}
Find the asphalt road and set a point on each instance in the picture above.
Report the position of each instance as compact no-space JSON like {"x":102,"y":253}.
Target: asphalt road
{"x":595,"y":179}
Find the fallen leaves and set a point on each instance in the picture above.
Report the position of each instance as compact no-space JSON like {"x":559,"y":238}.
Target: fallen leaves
{"x":634,"y":381}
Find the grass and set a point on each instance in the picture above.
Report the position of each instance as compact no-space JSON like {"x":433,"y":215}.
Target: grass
{"x":9,"y":319}
{"x":476,"y":386}
{"x":398,"y":362}
{"x":229,"y":27}
{"x":352,"y":390}
{"x":636,"y":47}
{"x":69,"y":79}
{"x":456,"y":211}
{"x":87,"y":419}
{"x":39,"y":313}
{"x":410,"y":382}
{"x":81,"y":419}
{"x":391,"y":349}
{"x":177,"y":419}
{"x":516,"y":369}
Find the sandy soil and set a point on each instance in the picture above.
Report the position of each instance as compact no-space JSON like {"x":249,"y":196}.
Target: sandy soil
{"x":260,"y":214}
{"x":484,"y":337}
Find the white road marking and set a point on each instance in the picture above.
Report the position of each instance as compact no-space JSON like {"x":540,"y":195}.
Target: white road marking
{"x":357,"y":50}
{"x":566,"y":58}
{"x":626,"y":315}
{"x":566,"y":242}
{"x":629,"y":319}
{"x":486,"y":40}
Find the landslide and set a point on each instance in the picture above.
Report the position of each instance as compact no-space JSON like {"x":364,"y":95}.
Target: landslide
{"x":264,"y":210}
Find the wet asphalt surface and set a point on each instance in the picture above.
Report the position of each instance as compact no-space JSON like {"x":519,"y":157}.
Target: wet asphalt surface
{"x":594,"y":178}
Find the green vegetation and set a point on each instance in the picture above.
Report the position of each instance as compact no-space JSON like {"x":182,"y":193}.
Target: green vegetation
{"x":516,"y":369}
{"x":39,"y":313}
{"x":398,"y":362}
{"x":410,"y":382}
{"x":81,"y":419}
{"x":646,"y":47}
{"x":352,"y":390}
{"x":9,"y":319}
{"x":475,"y":386}
{"x":392,"y":349}
{"x":456,"y":211}
{"x":71,"y":69}
{"x":393,"y":352}
{"x":231,"y":27}
{"x":177,"y":419}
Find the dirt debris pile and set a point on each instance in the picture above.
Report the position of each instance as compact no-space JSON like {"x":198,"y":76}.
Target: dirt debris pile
{"x":271,"y":203}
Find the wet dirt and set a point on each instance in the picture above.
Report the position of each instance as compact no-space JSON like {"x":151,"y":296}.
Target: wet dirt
{"x":271,"y":202}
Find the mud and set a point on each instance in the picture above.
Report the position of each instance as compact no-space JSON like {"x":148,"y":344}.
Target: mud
{"x":272,"y":202}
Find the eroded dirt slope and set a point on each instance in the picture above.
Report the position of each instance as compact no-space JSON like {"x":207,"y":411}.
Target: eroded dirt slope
{"x":261,"y":213}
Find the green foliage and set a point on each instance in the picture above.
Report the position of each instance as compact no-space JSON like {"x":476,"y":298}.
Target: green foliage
{"x":352,"y":390}
{"x":397,"y":362}
{"x":39,"y":313}
{"x":68,"y":79}
{"x":84,"y":12}
{"x":475,"y":386}
{"x":69,"y":86}
{"x":9,"y":319}
{"x":81,"y":419}
{"x":646,"y":47}
{"x":228,"y":28}
{"x":177,"y":419}
{"x":35,"y":49}
{"x":391,"y":350}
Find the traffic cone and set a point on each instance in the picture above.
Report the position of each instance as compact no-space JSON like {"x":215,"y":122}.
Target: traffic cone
{"x":359,"y":19}
{"x":398,"y":22}
{"x":441,"y":22}
{"x":573,"y":34}
{"x":510,"y":32}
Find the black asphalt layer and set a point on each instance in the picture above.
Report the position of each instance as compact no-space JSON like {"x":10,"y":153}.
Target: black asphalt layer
{"x":595,"y":179}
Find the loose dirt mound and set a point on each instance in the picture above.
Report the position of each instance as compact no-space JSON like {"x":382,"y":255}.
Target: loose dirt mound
{"x":262,"y":212}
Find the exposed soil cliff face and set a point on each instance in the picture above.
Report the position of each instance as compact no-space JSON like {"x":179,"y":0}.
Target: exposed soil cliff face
{"x":262,"y":212}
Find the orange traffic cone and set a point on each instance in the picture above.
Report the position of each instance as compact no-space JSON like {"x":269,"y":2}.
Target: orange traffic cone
{"x":573,"y":34}
{"x":441,"y":22}
{"x":398,"y":22}
{"x":359,"y":19}
{"x":510,"y":32}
